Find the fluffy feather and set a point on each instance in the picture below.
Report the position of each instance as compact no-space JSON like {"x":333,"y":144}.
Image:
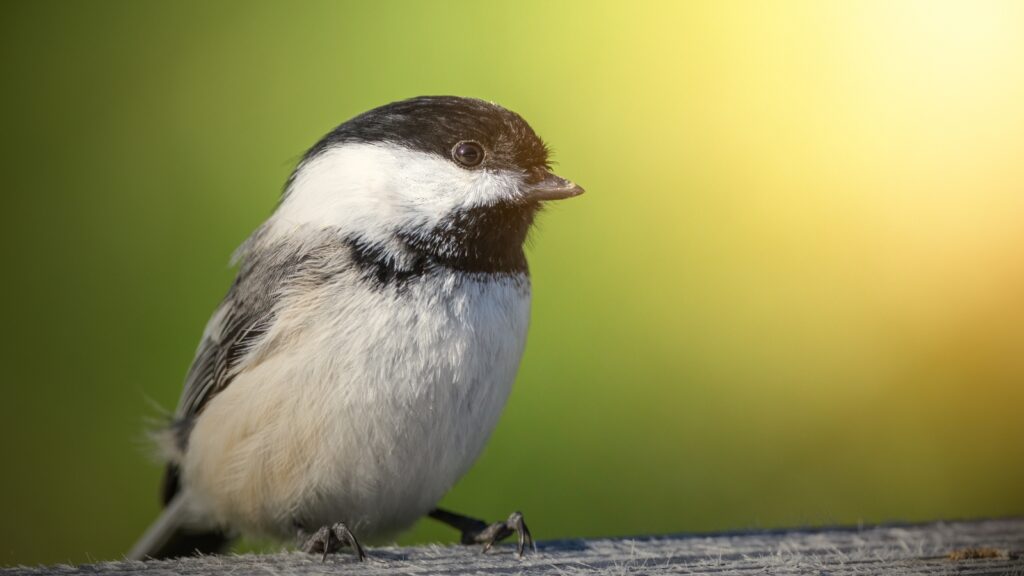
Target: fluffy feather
{"x":365,"y":351}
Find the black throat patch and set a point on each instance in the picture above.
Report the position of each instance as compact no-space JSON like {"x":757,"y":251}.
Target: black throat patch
{"x":481,"y":240}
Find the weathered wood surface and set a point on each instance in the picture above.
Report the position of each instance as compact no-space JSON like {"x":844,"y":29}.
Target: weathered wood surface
{"x":937,"y":548}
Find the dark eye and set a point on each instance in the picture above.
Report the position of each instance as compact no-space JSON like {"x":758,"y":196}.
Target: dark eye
{"x":468,"y":153}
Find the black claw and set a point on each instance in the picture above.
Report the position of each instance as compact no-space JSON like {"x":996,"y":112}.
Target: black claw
{"x":350,"y":539}
{"x":500,"y":530}
{"x":330,"y":539}
{"x":516,"y":523}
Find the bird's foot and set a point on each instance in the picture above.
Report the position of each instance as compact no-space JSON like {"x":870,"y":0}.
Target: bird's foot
{"x":329,"y":539}
{"x":500,"y":530}
{"x":479,"y":532}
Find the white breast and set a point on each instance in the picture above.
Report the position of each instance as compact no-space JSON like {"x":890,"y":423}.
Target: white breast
{"x":362,"y":405}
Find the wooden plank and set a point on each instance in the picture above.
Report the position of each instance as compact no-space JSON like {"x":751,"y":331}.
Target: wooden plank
{"x":969,"y":548}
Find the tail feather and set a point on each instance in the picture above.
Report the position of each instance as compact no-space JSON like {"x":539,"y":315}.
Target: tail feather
{"x":169,"y":537}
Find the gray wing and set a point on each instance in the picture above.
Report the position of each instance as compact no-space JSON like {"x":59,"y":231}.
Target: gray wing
{"x":250,"y":307}
{"x":243,"y":318}
{"x":235,"y":328}
{"x":248,"y":311}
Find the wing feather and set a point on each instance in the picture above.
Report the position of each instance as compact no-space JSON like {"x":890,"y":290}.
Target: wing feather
{"x":249,"y":311}
{"x":246,"y":315}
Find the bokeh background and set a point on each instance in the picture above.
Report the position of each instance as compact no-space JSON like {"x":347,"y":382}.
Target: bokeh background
{"x":794,"y":293}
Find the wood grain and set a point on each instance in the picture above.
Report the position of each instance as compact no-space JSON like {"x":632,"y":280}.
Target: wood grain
{"x":969,"y":548}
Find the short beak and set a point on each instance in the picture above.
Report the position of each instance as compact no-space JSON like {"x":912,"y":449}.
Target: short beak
{"x":551,"y":187}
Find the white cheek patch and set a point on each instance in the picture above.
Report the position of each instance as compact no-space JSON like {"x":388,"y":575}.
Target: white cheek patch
{"x":374,"y":190}
{"x":489,"y":187}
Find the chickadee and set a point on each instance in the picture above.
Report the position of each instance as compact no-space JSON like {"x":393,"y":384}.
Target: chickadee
{"x":364,"y":353}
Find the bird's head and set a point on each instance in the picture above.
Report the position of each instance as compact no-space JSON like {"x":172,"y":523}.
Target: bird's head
{"x":459,"y":179}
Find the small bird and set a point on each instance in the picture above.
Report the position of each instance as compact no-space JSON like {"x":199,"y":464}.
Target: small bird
{"x":365,"y":351}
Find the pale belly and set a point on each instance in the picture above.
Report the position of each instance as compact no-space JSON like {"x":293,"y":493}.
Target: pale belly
{"x":367,"y":413}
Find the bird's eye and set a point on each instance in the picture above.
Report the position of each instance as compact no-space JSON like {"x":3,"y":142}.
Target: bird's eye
{"x":468,"y":153}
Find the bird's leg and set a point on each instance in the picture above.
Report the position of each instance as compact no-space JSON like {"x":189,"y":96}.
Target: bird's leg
{"x":330,"y":539}
{"x":479,"y":532}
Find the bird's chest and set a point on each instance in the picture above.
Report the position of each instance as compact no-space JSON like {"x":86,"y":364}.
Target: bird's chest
{"x":415,"y":380}
{"x":421,"y":346}
{"x":371,"y":405}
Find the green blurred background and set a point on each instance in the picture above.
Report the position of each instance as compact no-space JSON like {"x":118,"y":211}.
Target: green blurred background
{"x":794,"y":293}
